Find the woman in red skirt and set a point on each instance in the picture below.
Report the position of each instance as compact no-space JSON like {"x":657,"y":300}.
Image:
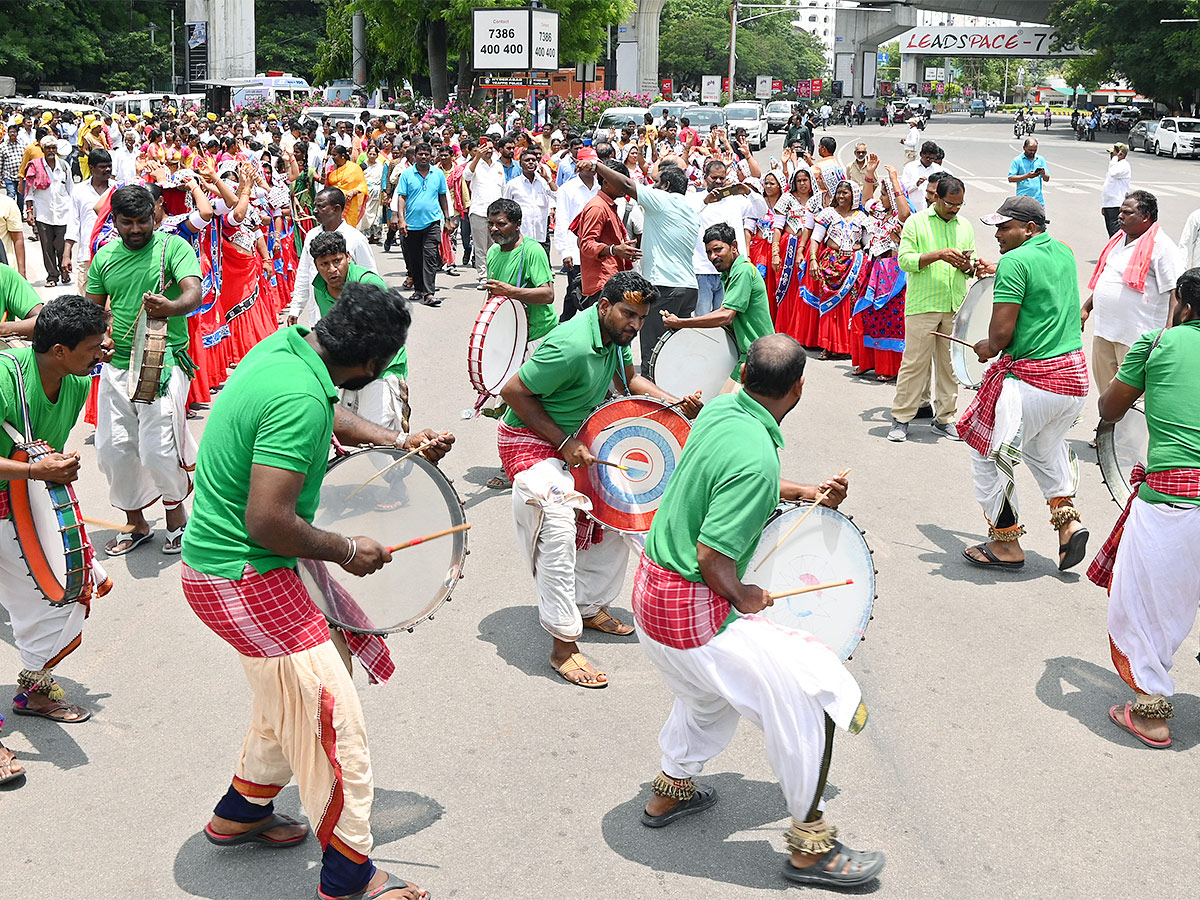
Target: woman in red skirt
{"x":793,"y":316}
{"x":837,"y":268}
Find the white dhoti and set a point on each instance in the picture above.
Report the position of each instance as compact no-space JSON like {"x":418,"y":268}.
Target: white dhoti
{"x":572,"y":585}
{"x":384,"y":401}
{"x":144,"y":449}
{"x":44,"y":634}
{"x":783,"y":681}
{"x":1031,"y":427}
{"x":1155,"y":593}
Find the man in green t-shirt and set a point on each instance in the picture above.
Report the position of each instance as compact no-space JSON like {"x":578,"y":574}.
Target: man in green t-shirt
{"x":19,"y":304}
{"x":518,"y":268}
{"x":744,"y":308}
{"x":67,"y":343}
{"x":258,"y":487}
{"x":385,"y":400}
{"x":568,"y":376}
{"x":1033,"y":393}
{"x":1150,"y":564}
{"x":145,"y":449}
{"x":696,"y":623}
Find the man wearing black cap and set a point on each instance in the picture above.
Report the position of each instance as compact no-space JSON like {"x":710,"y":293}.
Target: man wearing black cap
{"x":1034,"y":391}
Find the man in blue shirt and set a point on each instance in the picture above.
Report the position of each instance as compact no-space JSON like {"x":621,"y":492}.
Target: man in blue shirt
{"x":422,"y":211}
{"x":1028,"y":171}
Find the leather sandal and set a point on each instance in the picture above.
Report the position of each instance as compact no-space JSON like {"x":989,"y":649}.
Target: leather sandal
{"x":578,"y":662}
{"x":602,"y":619}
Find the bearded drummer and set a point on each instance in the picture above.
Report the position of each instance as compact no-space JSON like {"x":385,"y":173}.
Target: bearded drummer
{"x":258,"y":483}
{"x":1033,"y":393}
{"x":744,"y":308}
{"x":696,"y":621}
{"x":67,"y":341}
{"x":385,"y":400}
{"x":577,"y":568}
{"x":145,"y":449}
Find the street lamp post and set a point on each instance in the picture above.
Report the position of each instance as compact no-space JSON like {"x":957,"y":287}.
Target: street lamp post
{"x":733,"y":11}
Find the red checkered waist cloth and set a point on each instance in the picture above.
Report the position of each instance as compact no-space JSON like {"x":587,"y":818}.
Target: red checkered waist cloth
{"x":5,"y":505}
{"x":673,"y":611}
{"x":272,"y":614}
{"x":1176,"y":482}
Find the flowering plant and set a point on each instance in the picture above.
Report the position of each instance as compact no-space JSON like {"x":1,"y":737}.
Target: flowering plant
{"x":593,"y":105}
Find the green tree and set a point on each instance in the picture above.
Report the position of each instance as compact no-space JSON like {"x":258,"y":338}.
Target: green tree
{"x":287,"y":35}
{"x":137,"y":64}
{"x":1128,"y":41}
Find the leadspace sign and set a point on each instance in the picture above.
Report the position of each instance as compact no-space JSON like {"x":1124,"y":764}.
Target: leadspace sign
{"x":1025,"y":41}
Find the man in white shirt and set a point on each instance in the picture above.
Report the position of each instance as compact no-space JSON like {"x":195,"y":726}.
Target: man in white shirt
{"x":533,"y":193}
{"x":327,"y":210}
{"x":1127,"y":301}
{"x":910,"y":141}
{"x":77,"y":249}
{"x":573,"y":196}
{"x":826,"y":113}
{"x":50,"y":209}
{"x":485,"y":175}
{"x":1116,"y":186}
{"x":494,"y":127}
{"x":738,"y":210}
{"x":124,"y":159}
{"x":917,"y":172}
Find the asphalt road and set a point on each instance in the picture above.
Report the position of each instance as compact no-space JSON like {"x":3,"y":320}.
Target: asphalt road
{"x":989,"y":768}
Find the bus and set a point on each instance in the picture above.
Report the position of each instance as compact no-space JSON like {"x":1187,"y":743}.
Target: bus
{"x":134,"y":104}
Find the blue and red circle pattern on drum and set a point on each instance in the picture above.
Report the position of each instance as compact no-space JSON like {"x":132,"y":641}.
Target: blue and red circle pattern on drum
{"x":644,"y":436}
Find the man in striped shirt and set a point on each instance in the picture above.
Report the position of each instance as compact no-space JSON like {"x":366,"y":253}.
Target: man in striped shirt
{"x":935,"y":250}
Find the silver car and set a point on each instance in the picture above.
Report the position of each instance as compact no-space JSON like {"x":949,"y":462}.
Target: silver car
{"x":779,"y":112}
{"x":751,"y":117}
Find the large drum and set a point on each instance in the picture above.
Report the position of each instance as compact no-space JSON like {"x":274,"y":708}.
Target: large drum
{"x":364,"y":493}
{"x":645,"y":437}
{"x":826,"y":547}
{"x":497,"y":346}
{"x":971,"y":324}
{"x":1119,"y":447}
{"x":694,"y":359}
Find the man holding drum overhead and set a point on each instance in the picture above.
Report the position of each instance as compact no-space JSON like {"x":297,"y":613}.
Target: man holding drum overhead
{"x":577,"y":569}
{"x":67,"y":343}
{"x":258,"y":478}
{"x":695,"y":620}
{"x":145,"y":449}
{"x":1034,"y":391}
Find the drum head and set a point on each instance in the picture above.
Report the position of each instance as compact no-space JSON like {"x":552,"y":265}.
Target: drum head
{"x":694,"y":359}
{"x":971,"y":324}
{"x":498,"y":344}
{"x":1119,"y":447}
{"x":646,"y":437}
{"x":827,"y":547}
{"x":407,"y":501}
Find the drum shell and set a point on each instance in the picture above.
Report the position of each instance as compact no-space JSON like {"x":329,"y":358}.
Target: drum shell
{"x":704,"y":361}
{"x":1119,"y":447}
{"x":149,"y":353}
{"x":487,"y":327}
{"x":971,"y":323}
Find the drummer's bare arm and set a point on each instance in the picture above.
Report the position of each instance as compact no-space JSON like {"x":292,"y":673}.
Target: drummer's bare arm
{"x":531,"y":296}
{"x":528,"y":408}
{"x":1116,"y":400}
{"x":353,"y":430}
{"x":159,"y":307}
{"x":22,"y":327}
{"x":718,"y":318}
{"x":1000,"y":332}
{"x":838,"y":487}
{"x":272,"y":523}
{"x":639,"y":384}
{"x":720,"y":574}
{"x":61,"y":468}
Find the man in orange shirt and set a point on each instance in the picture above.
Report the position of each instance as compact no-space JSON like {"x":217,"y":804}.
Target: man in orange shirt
{"x":604,"y":245}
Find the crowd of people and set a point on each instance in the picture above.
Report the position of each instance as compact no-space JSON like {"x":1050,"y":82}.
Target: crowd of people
{"x":252,"y":240}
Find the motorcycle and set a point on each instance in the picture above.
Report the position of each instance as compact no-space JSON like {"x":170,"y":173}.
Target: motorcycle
{"x":1046,"y":121}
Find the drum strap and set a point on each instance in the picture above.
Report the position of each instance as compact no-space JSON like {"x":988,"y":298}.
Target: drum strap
{"x":19,"y":379}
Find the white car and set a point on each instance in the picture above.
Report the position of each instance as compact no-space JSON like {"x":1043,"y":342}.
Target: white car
{"x":613,"y":118}
{"x":1177,"y":136}
{"x":751,"y":117}
{"x":667,"y":109}
{"x":779,"y":113}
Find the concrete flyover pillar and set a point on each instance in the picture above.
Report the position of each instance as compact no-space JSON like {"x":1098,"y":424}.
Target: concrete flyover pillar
{"x":230,"y":35}
{"x":637,"y":49}
{"x":860,"y":31}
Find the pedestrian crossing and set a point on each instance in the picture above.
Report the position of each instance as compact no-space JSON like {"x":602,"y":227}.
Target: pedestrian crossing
{"x":1079,"y":188}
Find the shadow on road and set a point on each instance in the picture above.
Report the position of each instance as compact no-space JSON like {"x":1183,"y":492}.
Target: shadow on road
{"x":712,"y":844}
{"x":52,"y":742}
{"x":521,"y":641}
{"x":949,"y":564}
{"x":1097,"y":689}
{"x":234,"y":873}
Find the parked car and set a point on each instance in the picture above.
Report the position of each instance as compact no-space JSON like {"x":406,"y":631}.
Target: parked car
{"x":1141,"y":135}
{"x":978,"y":108}
{"x":778,"y":114}
{"x":751,"y":117}
{"x":704,"y":118}
{"x":666,"y":110}
{"x":1123,"y":119}
{"x":1177,"y":136}
{"x":612,"y":120}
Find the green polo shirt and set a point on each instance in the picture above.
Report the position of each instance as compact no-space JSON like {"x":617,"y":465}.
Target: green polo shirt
{"x":1040,"y":277}
{"x":276,"y":410}
{"x":123,"y":275}
{"x":526,"y":266}
{"x":571,"y":371}
{"x":325,"y":301}
{"x":723,"y":489}
{"x":939,"y":287}
{"x":746,"y":295}
{"x":50,"y":421}
{"x":17,"y":296}
{"x":1169,"y":376}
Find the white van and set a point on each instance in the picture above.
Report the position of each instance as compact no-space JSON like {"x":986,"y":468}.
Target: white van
{"x":140,"y":104}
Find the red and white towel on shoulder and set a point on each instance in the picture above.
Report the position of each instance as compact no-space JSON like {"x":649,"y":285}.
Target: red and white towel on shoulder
{"x":994,"y":416}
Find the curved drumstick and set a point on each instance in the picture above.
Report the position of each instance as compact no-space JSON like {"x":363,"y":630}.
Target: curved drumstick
{"x":816,"y":502}
{"x":425,"y":446}
{"x":465,"y":526}
{"x":645,"y":414}
{"x":779,"y":595}
{"x":951,"y":337}
{"x":100,"y":523}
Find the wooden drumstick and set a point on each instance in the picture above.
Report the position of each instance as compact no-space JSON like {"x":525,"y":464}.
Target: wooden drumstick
{"x":645,"y":414}
{"x":425,"y":446}
{"x":465,"y":526}
{"x":100,"y":523}
{"x":615,"y":465}
{"x":779,"y":595}
{"x":951,"y":337}
{"x":816,"y":502}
